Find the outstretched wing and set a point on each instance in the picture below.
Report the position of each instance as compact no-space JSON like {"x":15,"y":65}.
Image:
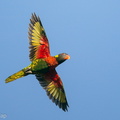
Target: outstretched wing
{"x":52,"y":83}
{"x":39,"y":45}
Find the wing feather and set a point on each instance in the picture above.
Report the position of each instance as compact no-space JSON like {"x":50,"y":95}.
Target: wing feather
{"x":39,"y":45}
{"x":52,"y":83}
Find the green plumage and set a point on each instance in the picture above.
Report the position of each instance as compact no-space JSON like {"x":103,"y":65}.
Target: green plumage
{"x":15,"y":76}
{"x":37,"y":66}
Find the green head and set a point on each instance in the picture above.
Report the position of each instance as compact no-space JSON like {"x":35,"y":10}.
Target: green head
{"x":62,"y":57}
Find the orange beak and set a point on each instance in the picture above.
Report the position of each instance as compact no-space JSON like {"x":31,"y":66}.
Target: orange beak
{"x":67,"y":57}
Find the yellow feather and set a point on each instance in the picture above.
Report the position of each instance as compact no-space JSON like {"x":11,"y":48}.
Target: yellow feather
{"x":52,"y":90}
{"x":55,"y":92}
{"x":56,"y":56}
{"x":15,"y":76}
{"x":36,"y":38}
{"x":35,"y":34}
{"x":49,"y":89}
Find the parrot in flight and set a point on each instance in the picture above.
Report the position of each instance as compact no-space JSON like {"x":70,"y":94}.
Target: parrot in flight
{"x":43,"y":64}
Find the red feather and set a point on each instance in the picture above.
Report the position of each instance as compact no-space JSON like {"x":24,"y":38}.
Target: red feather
{"x":43,"y":50}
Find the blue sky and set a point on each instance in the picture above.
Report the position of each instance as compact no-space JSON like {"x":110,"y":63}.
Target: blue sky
{"x":88,"y":30}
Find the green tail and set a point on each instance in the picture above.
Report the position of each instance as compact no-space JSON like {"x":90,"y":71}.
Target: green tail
{"x":19,"y":74}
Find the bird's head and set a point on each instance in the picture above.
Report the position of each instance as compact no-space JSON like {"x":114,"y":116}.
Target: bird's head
{"x":62,"y":57}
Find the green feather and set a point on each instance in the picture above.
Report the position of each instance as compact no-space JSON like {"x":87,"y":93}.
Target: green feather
{"x":15,"y":76}
{"x":39,"y":65}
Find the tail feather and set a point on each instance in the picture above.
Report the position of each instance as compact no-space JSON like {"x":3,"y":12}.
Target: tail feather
{"x":15,"y":76}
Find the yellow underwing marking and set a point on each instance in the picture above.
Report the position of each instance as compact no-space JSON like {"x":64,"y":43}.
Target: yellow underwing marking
{"x":56,"y":92}
{"x":52,"y":90}
{"x":56,"y":96}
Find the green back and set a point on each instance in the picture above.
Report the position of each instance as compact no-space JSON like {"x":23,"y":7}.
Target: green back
{"x":39,"y":65}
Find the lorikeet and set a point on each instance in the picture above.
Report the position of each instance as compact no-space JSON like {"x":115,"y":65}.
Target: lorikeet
{"x":43,"y":64}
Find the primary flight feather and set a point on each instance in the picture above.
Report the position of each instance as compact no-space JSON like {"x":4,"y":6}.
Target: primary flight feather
{"x":43,"y":64}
